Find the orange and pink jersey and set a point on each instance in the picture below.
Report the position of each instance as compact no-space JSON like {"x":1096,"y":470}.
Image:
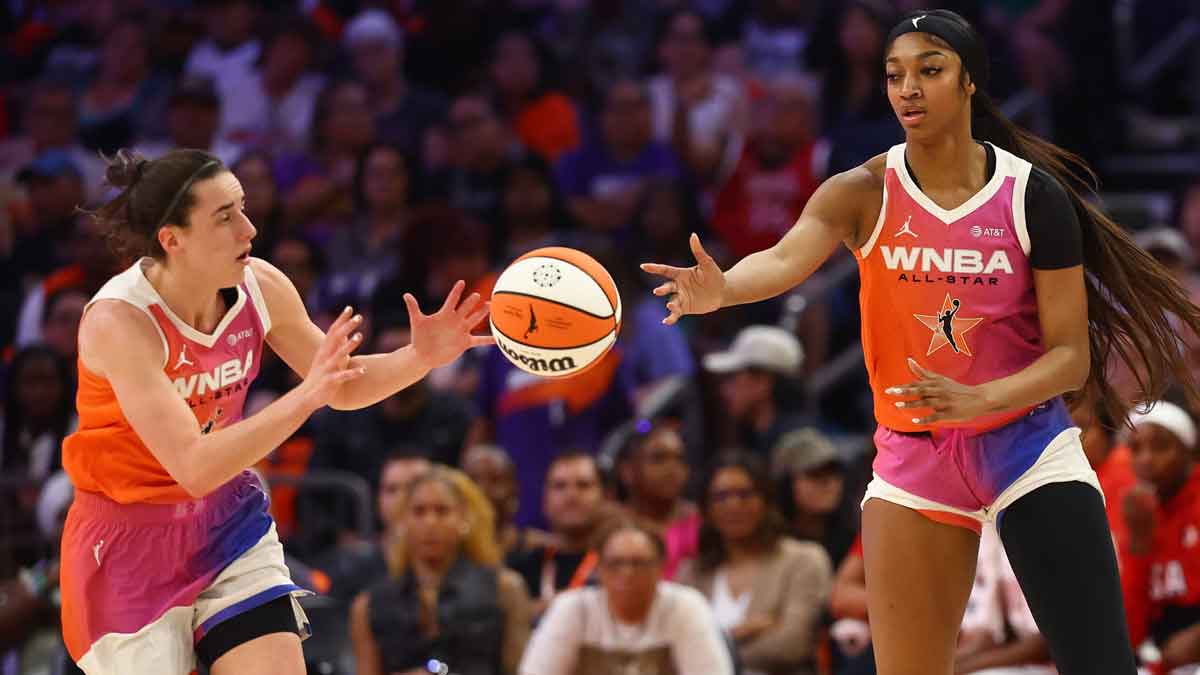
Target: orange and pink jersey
{"x":212,"y":372}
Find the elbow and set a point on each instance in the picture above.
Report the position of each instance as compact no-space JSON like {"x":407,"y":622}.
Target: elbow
{"x":1081,"y":369}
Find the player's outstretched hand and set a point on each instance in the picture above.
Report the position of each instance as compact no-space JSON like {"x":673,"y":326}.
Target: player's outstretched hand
{"x":692,"y":290}
{"x":443,"y":336}
{"x":330,"y":367}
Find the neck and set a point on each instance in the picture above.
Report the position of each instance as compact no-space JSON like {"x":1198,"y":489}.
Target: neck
{"x":431,"y":569}
{"x":660,"y":511}
{"x":198,"y":308}
{"x":809,"y":525}
{"x":764,"y":416}
{"x":575,"y":541}
{"x":947,"y":161}
{"x":741,"y":550}
{"x":631,"y":612}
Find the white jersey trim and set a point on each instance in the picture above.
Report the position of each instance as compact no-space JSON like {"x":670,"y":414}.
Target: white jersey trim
{"x":260,"y":303}
{"x":205,"y":339}
{"x":131,"y":287}
{"x":889,"y":163}
{"x":1021,"y":169}
{"x":948,"y":216}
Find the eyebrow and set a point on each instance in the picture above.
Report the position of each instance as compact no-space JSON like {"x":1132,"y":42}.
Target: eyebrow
{"x":922,"y":55}
{"x":223,"y":207}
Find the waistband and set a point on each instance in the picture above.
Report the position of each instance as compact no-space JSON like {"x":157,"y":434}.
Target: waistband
{"x":97,"y":506}
{"x":941,"y":433}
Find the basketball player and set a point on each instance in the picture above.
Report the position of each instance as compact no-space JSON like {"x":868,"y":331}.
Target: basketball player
{"x":169,"y":552}
{"x":972,"y":423}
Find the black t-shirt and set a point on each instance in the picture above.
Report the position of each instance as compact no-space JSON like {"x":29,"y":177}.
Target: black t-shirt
{"x":1055,"y":237}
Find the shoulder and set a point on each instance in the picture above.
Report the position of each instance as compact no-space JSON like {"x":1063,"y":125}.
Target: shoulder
{"x":1044,"y":187}
{"x":278,"y":291}
{"x":509,"y":583}
{"x":689,"y":573}
{"x":114,"y":328}
{"x":269,"y":277}
{"x":682,"y":598}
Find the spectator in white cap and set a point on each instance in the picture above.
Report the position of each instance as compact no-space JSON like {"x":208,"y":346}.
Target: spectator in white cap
{"x":751,"y":370}
{"x":1168,"y":246}
{"x":403,"y":113}
{"x":811,"y":478}
{"x":1160,"y":568}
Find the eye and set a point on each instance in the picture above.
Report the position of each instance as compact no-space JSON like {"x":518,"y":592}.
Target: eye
{"x":931,"y":71}
{"x":891,"y":77}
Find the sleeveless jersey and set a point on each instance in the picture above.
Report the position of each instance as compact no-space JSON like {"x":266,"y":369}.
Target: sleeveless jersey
{"x":212,"y":372}
{"x":952,"y":289}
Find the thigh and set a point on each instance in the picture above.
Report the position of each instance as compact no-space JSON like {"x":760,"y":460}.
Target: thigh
{"x":1058,"y":541}
{"x":274,"y":654}
{"x":163,"y":647}
{"x":919,"y":576}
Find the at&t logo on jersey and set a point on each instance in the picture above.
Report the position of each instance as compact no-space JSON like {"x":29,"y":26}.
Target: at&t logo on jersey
{"x":950,"y":261}
{"x":228,"y":374}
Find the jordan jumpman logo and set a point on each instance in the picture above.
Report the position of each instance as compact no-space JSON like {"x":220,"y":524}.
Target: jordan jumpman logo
{"x":183,"y":359}
{"x":905,"y":229}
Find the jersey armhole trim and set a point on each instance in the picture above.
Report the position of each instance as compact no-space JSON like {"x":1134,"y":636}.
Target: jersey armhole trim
{"x":867,"y":248}
{"x":1022,"y":171}
{"x":162,"y":337}
{"x":259,"y":302}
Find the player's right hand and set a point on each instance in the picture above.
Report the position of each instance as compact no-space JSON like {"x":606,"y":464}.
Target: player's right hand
{"x":693,"y":290}
{"x":331,"y":365}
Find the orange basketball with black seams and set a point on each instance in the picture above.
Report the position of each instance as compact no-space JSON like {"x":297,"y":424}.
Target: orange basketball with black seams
{"x":555,"y":311}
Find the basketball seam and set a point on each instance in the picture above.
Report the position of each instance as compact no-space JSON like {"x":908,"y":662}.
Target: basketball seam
{"x":576,"y":266}
{"x":555,"y":302}
{"x":523,"y":344}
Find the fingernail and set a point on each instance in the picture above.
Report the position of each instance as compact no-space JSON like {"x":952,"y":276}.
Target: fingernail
{"x":916,"y":421}
{"x":891,"y":390}
{"x":899,"y":404}
{"x":357,"y":337}
{"x":358,"y":318}
{"x":347,"y":310}
{"x":362,"y":371}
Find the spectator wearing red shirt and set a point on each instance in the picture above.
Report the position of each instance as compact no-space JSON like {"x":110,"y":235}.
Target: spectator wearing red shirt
{"x":1160,"y":561}
{"x":1110,"y":459}
{"x":774,"y":177}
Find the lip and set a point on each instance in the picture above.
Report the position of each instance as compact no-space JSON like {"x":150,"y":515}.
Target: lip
{"x":244,"y":258}
{"x":912,"y":116}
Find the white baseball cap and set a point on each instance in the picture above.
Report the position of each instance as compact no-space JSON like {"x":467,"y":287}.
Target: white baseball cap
{"x":1169,"y":239}
{"x":372,"y":25}
{"x":768,"y":347}
{"x":1168,"y":416}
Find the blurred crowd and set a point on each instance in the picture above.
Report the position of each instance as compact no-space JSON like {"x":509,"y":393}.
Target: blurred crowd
{"x":691,"y":504}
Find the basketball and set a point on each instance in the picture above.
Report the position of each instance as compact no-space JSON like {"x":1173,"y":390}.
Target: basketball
{"x":555,"y":311}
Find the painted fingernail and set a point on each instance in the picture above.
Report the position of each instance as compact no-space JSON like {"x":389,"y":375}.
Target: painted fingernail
{"x":916,"y":421}
{"x":357,"y":337}
{"x":899,"y":404}
{"x":891,"y":390}
{"x":357,"y":318}
{"x":347,"y":310}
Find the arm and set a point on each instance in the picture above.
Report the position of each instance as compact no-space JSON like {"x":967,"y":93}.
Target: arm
{"x":366,"y":651}
{"x":848,"y":600}
{"x":517,"y":618}
{"x":1022,"y":651}
{"x":118,"y":342}
{"x":792,"y":638}
{"x":830,"y":217}
{"x":435,"y":338}
{"x":554,"y":647}
{"x":1182,"y":648}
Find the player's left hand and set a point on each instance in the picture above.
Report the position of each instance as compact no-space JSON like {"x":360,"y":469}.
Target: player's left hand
{"x":950,"y":401}
{"x":443,"y":336}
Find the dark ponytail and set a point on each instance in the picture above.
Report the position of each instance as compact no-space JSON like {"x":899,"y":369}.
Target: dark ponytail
{"x":153,"y":193}
{"x":1131,"y":297}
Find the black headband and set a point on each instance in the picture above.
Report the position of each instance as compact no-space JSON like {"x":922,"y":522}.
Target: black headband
{"x":956,"y":32}
{"x":183,"y":190}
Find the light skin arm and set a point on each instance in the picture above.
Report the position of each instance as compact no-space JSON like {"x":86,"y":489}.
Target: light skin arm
{"x":518,"y":617}
{"x":1064,"y":367}
{"x":1022,"y":651}
{"x":832,"y":216}
{"x":849,"y":597}
{"x":437,"y":339}
{"x":366,"y":650}
{"x":118,"y":342}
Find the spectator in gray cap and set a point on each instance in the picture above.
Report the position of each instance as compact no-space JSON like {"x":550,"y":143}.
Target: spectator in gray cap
{"x":751,"y":371}
{"x":811,"y":478}
{"x":403,"y":112}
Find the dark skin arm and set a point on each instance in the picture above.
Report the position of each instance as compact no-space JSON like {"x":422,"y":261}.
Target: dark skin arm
{"x":1062,"y":313}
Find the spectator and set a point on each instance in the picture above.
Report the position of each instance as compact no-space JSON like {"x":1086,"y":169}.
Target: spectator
{"x":634,"y":623}
{"x":316,"y":184}
{"x":124,"y":99}
{"x":263,"y":205}
{"x":775,"y":176}
{"x":603,"y":180}
{"x":434,"y":421}
{"x":373,"y":247}
{"x":574,"y":505}
{"x":38,"y":414}
{"x":228,"y":54}
{"x":304,"y":264}
{"x":697,"y":111}
{"x":751,"y":372}
{"x":1160,"y":573}
{"x":858,"y":121}
{"x":775,"y":37}
{"x":272,"y":108}
{"x":653,"y":471}
{"x":50,"y":121}
{"x":447,"y":599}
{"x":193,"y":120}
{"x":492,"y":470}
{"x":55,"y":187}
{"x":354,"y":567}
{"x":60,"y":322}
{"x":850,"y":632}
{"x":812,"y":477}
{"x":766,"y":590}
{"x":482,"y":149}
{"x":545,"y":120}
{"x":534,"y":214}
{"x":995,"y":611}
{"x":404,"y":112}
